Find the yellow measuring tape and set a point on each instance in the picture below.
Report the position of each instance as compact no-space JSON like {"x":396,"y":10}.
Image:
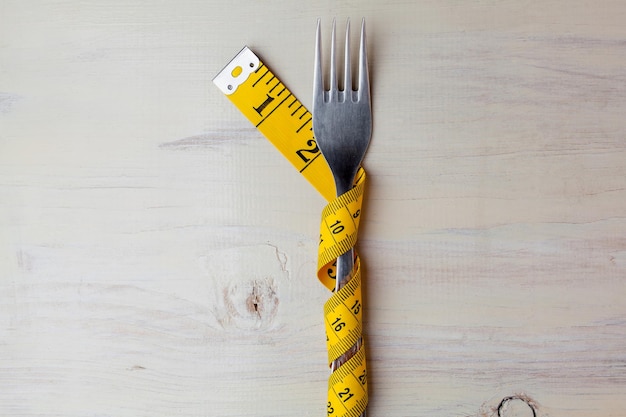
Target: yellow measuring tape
{"x":287,"y":124}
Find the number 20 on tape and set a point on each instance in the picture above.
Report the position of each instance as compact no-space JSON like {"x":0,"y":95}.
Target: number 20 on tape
{"x":278,"y":114}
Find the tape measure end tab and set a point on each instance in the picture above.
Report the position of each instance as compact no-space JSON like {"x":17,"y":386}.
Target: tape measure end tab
{"x":237,"y":71}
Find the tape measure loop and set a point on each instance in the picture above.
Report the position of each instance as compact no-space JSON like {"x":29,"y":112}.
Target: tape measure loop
{"x":347,"y":388}
{"x":343,"y":314}
{"x":339,"y":227}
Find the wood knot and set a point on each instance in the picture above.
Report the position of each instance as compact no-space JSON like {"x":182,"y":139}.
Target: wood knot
{"x":244,"y":283}
{"x":517,"y":406}
{"x":258,"y":297}
{"x":252,"y":305}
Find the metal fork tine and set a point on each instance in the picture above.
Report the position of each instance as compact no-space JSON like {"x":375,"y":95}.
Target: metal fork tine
{"x":333,"y":67}
{"x":364,"y":82}
{"x":347,"y":76}
{"x":318,"y":80}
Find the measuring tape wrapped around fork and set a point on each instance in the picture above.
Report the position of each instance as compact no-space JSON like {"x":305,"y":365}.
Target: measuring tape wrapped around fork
{"x":287,"y":124}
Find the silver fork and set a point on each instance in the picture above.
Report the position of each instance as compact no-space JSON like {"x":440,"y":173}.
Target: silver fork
{"x":342,"y":125}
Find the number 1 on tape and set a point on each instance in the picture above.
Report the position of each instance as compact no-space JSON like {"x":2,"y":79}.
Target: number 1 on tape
{"x":287,"y":124}
{"x":278,"y":114}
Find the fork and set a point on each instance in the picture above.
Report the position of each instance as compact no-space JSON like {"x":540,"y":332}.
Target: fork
{"x":342,"y":125}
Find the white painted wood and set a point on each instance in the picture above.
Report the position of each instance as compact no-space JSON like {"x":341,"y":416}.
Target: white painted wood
{"x":157,"y":256}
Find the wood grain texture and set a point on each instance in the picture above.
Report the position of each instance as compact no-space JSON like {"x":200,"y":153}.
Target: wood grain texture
{"x":157,"y":255}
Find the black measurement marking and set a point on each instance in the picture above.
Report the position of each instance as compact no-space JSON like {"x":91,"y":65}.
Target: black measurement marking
{"x":261,"y":77}
{"x":301,"y":127}
{"x":338,"y":324}
{"x":336,"y":227}
{"x":296,"y":110}
{"x":277,"y":84}
{"x":273,"y":110}
{"x":363,"y":378}
{"x":313,"y":149}
{"x":263,"y":105}
{"x":310,"y":162}
{"x":356,"y":307}
{"x":345,"y":393}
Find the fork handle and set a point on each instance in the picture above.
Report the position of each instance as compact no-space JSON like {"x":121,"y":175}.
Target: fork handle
{"x":345,"y":263}
{"x":344,"y":182}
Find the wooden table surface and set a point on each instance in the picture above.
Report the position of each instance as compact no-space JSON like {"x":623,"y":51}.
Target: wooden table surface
{"x":158,"y":256}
